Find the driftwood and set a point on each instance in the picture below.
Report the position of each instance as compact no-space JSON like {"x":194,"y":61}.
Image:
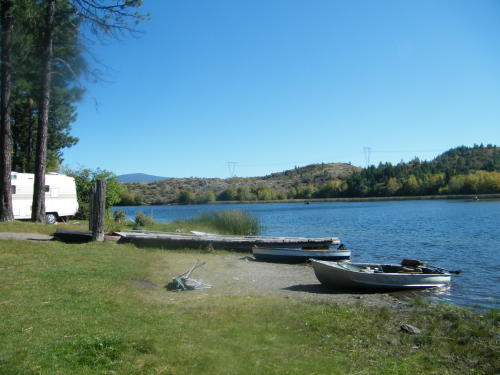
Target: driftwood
{"x":184,"y":281}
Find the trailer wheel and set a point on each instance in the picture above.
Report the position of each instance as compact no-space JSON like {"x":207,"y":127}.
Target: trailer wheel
{"x":51,"y":218}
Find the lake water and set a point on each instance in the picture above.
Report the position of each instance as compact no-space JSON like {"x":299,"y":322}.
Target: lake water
{"x":452,"y":234}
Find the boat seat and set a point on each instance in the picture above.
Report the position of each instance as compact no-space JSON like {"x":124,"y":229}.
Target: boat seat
{"x":349,"y":267}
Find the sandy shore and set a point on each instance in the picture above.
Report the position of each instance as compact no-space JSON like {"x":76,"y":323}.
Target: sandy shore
{"x":242,"y":275}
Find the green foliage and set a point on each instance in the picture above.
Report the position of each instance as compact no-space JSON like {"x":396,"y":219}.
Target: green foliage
{"x":186,"y":197}
{"x":207,"y":197}
{"x":142,"y":220}
{"x":119,"y":216}
{"x":461,"y":170}
{"x":85,"y":178}
{"x":130,"y":199}
{"x":333,"y":188}
{"x":68,"y":66}
{"x":229,"y":194}
{"x":411,"y":186}
{"x":243,"y":193}
{"x":228,"y":222}
{"x":304,"y":192}
{"x":264,"y":193}
{"x":392,"y":187}
{"x":281,"y":196}
{"x":480,"y":182}
{"x":114,"y":221}
{"x":222,"y":222}
{"x":66,"y":90}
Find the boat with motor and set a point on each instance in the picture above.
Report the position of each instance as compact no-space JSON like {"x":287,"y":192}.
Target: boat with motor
{"x":411,"y":274}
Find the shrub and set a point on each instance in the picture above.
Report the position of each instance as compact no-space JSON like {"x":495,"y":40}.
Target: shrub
{"x":119,"y":216}
{"x":186,"y":197}
{"x":85,"y":178}
{"x":228,"y":222}
{"x":111,"y":224}
{"x":142,"y":220}
{"x":206,"y":197}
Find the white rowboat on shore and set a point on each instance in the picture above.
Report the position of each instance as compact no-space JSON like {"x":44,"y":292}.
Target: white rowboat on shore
{"x":288,"y":255}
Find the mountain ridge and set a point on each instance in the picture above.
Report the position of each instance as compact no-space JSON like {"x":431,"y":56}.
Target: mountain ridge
{"x":139,"y":177}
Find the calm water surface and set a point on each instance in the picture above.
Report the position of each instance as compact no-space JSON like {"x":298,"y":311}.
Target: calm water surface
{"x":451,"y":234}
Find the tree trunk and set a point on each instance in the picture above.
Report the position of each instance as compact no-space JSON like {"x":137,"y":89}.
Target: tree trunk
{"x":38,"y":208}
{"x":5,"y":127}
{"x":91,"y":206}
{"x":29,"y":166}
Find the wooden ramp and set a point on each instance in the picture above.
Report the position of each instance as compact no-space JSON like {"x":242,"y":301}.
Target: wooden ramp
{"x":201,"y":240}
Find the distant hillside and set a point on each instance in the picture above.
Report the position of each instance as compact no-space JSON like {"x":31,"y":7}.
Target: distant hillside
{"x":139,"y":177}
{"x":461,"y":160}
{"x":462,"y":170}
{"x":274,"y":186}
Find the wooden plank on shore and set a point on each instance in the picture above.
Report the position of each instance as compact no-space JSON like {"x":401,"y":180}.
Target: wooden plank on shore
{"x":205,"y":240}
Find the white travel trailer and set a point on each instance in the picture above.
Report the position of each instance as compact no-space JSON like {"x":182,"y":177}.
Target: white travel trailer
{"x":60,"y":196}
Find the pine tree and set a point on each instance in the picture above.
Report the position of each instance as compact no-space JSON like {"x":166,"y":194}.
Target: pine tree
{"x":7,"y":8}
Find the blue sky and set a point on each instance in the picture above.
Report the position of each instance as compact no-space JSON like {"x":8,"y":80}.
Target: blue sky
{"x":273,"y":84}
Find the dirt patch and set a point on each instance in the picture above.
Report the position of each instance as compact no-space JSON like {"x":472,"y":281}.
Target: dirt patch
{"x":25,"y":236}
{"x":146,"y":284}
{"x":240,"y":275}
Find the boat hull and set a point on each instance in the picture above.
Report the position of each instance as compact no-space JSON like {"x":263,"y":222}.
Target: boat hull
{"x":298,"y":255}
{"x":336,"y":275}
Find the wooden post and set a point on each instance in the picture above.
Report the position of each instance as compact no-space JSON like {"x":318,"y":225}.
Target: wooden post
{"x":91,"y":205}
{"x":98,"y":211}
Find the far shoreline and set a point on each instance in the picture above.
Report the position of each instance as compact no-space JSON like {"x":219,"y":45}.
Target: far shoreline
{"x":322,"y":200}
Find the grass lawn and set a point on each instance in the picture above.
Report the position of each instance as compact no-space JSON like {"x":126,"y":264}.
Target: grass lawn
{"x":30,"y":227}
{"x":76,"y":309}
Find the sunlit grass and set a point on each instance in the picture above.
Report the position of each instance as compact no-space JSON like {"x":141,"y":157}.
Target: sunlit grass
{"x":222,"y":222}
{"x":27,"y":226}
{"x":75,"y":309}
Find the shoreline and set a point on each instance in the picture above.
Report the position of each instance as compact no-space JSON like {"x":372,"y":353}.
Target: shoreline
{"x":358,"y":199}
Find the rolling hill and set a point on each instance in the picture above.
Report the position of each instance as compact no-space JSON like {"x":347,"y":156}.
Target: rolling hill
{"x":461,"y":170}
{"x":169,"y":190}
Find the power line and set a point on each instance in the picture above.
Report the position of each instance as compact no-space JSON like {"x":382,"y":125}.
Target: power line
{"x":231,"y":165}
{"x":403,"y":151}
{"x":367,"y":151}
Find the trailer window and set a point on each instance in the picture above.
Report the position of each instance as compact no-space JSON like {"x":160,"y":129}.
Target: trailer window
{"x":46,"y":188}
{"x":13,"y":189}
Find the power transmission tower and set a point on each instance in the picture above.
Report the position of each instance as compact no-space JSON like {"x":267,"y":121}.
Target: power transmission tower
{"x":231,"y":165}
{"x":367,"y":150}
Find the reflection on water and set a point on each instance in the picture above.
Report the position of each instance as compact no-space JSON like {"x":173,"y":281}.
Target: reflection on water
{"x":439,"y":293}
{"x":453,"y":235}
